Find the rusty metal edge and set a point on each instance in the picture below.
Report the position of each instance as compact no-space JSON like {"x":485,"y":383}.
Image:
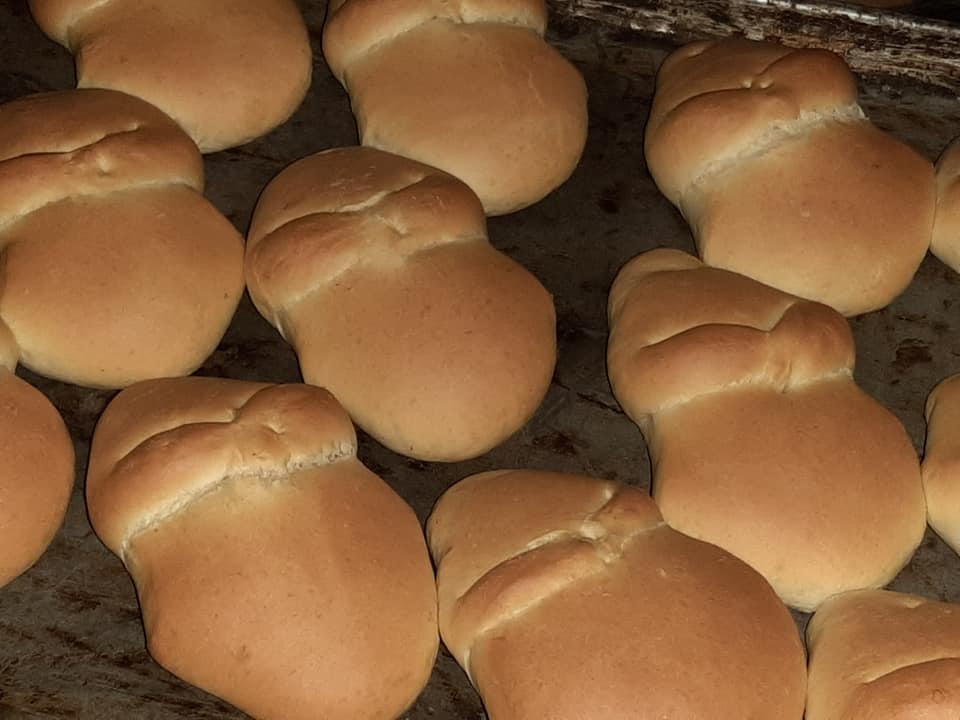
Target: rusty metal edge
{"x":874,"y":42}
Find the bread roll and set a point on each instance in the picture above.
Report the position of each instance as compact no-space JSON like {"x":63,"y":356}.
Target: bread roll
{"x":781,"y":176}
{"x":466,"y":86}
{"x":116,"y":269}
{"x":565,"y":597}
{"x":227,"y":70}
{"x":36,"y":468}
{"x":941,"y":461}
{"x":378,"y":270}
{"x":273,"y":569}
{"x":761,"y":441}
{"x":879,"y":655}
{"x":946,"y":229}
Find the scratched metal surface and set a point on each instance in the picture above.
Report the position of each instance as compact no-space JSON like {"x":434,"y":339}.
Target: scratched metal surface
{"x":71,"y":642}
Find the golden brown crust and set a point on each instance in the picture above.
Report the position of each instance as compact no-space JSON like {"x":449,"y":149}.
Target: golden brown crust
{"x":746,"y":399}
{"x":37,"y":461}
{"x":880,"y":654}
{"x":258,"y":542}
{"x":941,"y":460}
{"x":445,"y":345}
{"x":60,"y":145}
{"x":946,"y":229}
{"x":101,"y":210}
{"x":538,"y":571}
{"x":769,"y":157}
{"x":227,"y":72}
{"x":468,"y":87}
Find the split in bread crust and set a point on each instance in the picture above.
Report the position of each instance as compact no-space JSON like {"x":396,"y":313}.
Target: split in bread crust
{"x":273,"y":569}
{"x":881,"y":655}
{"x":116,"y":268}
{"x":783,"y":178}
{"x":467,"y":86}
{"x":558,"y":593}
{"x":379,"y":272}
{"x":227,"y":71}
{"x":760,"y":439}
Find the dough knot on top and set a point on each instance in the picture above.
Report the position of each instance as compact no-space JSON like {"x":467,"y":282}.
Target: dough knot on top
{"x":355,"y":27}
{"x":681,"y":329}
{"x":259,"y":432}
{"x":310,"y":227}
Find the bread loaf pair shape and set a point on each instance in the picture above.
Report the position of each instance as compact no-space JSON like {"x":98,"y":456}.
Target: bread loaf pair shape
{"x":760,"y":439}
{"x":273,"y":569}
{"x":782,"y":177}
{"x":116,"y":268}
{"x":378,"y":270}
{"x":36,"y":468}
{"x":567,"y":597}
{"x":467,"y":86}
{"x":227,"y":71}
{"x":881,"y":655}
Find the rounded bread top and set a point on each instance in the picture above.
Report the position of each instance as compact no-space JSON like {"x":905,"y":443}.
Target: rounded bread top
{"x":667,"y":310}
{"x":883,"y":654}
{"x":160,"y":444}
{"x":719,"y":101}
{"x":521,"y":553}
{"x":354,"y":27}
{"x":355,"y":203}
{"x":87,"y":142}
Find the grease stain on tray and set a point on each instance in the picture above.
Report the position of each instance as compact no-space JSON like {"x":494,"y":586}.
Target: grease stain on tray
{"x":910,"y":353}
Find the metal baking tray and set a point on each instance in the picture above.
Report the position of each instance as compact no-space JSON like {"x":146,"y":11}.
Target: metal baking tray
{"x":71,"y":640}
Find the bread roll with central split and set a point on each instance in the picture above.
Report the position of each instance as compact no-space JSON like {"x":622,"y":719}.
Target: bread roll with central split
{"x":468,"y":86}
{"x":879,"y":655}
{"x":781,"y":176}
{"x":566,"y":597}
{"x":761,"y":442}
{"x":941,"y":461}
{"x":379,"y":272}
{"x":946,"y":229}
{"x":36,"y":468}
{"x":273,"y":569}
{"x":116,"y":268}
{"x":227,"y":71}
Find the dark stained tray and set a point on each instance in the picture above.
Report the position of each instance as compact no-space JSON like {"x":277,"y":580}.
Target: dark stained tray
{"x":71,"y":641}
